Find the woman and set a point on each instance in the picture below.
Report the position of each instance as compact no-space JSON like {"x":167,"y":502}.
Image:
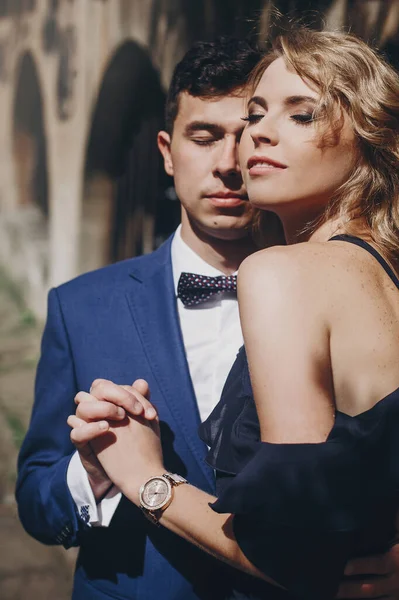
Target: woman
{"x":307,"y":457}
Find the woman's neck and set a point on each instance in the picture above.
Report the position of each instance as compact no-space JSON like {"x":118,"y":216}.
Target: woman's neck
{"x":297,"y":232}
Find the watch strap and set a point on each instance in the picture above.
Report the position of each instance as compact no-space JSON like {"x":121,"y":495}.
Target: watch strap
{"x":152,"y":515}
{"x":174,"y":479}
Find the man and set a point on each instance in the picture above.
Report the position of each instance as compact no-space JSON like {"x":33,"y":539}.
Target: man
{"x":123,"y":322}
{"x":134,"y":320}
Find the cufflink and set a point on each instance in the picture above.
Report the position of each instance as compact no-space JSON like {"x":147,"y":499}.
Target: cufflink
{"x":64,"y":535}
{"x":85,"y":513}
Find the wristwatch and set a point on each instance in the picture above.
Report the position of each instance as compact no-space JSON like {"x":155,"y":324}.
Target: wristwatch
{"x":157,"y":493}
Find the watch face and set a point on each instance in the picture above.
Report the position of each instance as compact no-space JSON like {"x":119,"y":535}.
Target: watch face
{"x":155,"y":493}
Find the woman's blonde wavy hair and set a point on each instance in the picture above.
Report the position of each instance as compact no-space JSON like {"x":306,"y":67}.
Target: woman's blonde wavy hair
{"x":349,"y":75}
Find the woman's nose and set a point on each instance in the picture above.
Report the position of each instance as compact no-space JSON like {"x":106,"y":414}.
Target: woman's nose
{"x":264,"y":132}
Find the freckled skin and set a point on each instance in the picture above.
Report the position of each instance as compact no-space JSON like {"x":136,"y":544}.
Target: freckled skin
{"x":348,"y":288}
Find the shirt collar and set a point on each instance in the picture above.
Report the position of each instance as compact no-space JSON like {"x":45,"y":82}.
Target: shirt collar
{"x":184,"y":259}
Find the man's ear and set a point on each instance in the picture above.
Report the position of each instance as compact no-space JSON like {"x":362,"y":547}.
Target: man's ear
{"x":164,"y":142}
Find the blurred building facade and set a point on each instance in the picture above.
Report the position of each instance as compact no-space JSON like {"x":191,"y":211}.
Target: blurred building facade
{"x":82,"y":90}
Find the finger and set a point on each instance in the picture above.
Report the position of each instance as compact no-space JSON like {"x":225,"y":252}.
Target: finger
{"x":83,"y":397}
{"x":141,"y":385}
{"x":74,"y":421}
{"x":95,"y":410}
{"x":139,"y":409}
{"x":102,"y":389}
{"x":150,"y":412}
{"x":82,"y":433}
{"x":369,"y":565}
{"x":378,"y":588}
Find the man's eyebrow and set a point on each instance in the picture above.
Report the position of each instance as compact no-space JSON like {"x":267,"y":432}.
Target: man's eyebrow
{"x":203,"y":126}
{"x":290,"y":101}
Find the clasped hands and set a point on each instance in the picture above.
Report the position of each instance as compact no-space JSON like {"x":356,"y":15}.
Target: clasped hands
{"x":116,"y":432}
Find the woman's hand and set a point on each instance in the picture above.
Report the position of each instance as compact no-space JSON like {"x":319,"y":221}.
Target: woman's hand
{"x":129,"y":450}
{"x":130,"y":454}
{"x":127,"y":447}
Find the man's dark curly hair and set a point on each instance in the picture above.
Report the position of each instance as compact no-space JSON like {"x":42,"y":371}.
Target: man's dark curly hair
{"x":210,"y":69}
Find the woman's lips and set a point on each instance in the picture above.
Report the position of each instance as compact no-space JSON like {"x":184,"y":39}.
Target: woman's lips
{"x":264,"y":166}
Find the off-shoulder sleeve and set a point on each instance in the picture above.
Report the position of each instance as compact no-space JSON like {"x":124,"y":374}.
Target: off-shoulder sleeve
{"x":301,"y":510}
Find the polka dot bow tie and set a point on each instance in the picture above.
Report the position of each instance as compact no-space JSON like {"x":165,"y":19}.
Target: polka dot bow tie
{"x":194,"y":289}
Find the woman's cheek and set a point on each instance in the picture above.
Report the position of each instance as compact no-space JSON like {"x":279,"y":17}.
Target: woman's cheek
{"x":244,"y":150}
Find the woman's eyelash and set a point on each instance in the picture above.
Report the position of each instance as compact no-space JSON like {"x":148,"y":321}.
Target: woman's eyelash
{"x":254,"y":118}
{"x":303,"y":118}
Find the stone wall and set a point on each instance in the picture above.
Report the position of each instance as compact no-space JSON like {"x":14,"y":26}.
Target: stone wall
{"x":71,"y":73}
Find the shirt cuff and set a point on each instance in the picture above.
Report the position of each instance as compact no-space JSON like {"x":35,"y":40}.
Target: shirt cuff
{"x":96,"y":515}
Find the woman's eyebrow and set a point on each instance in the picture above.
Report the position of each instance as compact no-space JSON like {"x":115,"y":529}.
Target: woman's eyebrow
{"x":290,"y":101}
{"x":258,"y":100}
{"x":295,"y":100}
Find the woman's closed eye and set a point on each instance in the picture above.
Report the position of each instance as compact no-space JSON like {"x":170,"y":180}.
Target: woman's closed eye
{"x":299,"y":118}
{"x":303,"y":118}
{"x":252,"y":118}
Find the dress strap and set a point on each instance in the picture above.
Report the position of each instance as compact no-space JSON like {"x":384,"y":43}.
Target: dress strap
{"x":363,"y":244}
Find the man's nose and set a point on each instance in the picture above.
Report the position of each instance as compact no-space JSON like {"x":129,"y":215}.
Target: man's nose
{"x":227,"y":164}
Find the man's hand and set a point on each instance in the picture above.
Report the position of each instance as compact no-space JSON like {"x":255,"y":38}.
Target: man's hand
{"x":91,"y":421}
{"x":376,"y":577}
{"x":135,"y":439}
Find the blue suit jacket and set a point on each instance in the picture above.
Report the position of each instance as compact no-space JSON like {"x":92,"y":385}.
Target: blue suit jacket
{"x":118,"y":323}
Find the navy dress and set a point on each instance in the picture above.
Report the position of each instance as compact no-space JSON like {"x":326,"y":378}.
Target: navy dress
{"x":302,"y":510}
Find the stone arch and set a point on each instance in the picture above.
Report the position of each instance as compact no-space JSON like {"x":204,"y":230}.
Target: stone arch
{"x":124,"y":179}
{"x":25,"y":226}
{"x":29,"y":138}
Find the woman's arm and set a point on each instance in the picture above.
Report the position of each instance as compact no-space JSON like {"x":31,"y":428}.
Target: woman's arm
{"x":190,"y":516}
{"x":130,"y":452}
{"x":283,"y":306}
{"x":287,"y":344}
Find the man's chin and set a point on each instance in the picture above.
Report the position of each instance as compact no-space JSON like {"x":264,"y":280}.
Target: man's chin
{"x":223,"y":225}
{"x":228,"y":230}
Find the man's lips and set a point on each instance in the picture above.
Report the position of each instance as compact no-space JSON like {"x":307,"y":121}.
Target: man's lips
{"x":259,"y":165}
{"x":226,"y":199}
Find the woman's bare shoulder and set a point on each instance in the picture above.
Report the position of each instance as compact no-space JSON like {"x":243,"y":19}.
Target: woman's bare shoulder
{"x":295,"y":262}
{"x":282,"y":280}
{"x":328,"y":261}
{"x":308,"y":279}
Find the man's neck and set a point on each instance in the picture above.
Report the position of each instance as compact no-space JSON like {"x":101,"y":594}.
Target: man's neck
{"x":224,"y":255}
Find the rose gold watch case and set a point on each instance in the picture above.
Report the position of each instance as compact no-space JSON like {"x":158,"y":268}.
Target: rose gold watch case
{"x":165,"y":503}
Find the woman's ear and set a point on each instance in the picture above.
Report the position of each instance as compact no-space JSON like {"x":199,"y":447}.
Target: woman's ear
{"x":164,"y":142}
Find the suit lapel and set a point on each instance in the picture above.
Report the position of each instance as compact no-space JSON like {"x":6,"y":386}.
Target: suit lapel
{"x":154,"y":312}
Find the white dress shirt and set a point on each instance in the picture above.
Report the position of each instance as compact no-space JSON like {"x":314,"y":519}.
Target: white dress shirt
{"x":212,"y":336}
